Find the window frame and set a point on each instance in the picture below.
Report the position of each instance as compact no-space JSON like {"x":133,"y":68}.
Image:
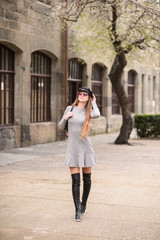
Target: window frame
{"x":75,"y":78}
{"x":97,"y":82}
{"x":131,"y":88}
{"x":7,"y":70}
{"x":40,"y":88}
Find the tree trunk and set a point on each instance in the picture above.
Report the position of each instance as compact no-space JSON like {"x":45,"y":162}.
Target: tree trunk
{"x":115,"y":77}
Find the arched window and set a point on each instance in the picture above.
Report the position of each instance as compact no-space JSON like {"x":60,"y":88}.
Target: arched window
{"x":131,"y":89}
{"x":40,"y":87}
{"x":97,"y":72}
{"x":75,"y":76}
{"x":6,"y":86}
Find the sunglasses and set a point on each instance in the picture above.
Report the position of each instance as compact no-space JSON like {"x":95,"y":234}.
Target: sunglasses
{"x":82,"y":94}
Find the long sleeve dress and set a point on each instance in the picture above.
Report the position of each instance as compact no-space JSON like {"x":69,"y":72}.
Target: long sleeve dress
{"x":79,"y":151}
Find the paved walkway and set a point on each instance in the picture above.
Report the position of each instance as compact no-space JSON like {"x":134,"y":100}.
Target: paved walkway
{"x":124,"y":204}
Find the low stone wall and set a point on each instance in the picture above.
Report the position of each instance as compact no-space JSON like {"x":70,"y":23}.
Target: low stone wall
{"x":116,"y":122}
{"x":98,"y":126}
{"x":10,"y":137}
{"x":42,"y":133}
{"x":37,"y":133}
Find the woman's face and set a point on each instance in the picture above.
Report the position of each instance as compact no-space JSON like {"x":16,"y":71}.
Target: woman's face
{"x":83,"y":96}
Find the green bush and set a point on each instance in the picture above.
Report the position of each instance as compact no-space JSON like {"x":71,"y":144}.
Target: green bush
{"x":147,"y":125}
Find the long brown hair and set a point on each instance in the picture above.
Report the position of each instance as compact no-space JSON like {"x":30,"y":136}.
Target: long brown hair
{"x":88,"y":106}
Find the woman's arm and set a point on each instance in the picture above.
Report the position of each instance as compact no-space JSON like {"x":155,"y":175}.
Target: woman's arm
{"x":63,"y":121}
{"x":95,"y":113}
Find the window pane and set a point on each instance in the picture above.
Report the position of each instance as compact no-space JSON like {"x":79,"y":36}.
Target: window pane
{"x":40,"y":87}
{"x":6,"y":86}
{"x":75,"y":73}
{"x":97,"y":71}
{"x":75,"y":69}
{"x":131,"y":86}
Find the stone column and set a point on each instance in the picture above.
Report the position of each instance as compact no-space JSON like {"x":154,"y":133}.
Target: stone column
{"x":151,"y":95}
{"x":19,"y":72}
{"x":149,"y":105}
{"x":60,"y":86}
{"x":138,"y":94}
{"x":108,"y":103}
{"x":55,"y":93}
{"x":88,"y":76}
{"x":144,"y":93}
{"x":156,"y":92}
{"x":26,"y":95}
{"x":105,"y":93}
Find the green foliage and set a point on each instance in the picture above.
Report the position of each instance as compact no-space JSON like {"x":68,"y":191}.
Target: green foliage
{"x":147,"y":125}
{"x":133,"y":28}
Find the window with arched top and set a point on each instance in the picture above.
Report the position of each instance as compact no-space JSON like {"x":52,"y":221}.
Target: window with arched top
{"x":97,"y":75}
{"x":40,"y":87}
{"x":75,"y":77}
{"x":131,"y":89}
{"x":6,"y":85}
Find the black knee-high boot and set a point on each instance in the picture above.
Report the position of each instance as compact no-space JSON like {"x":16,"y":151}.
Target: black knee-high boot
{"x":76,"y":195}
{"x":86,"y":190}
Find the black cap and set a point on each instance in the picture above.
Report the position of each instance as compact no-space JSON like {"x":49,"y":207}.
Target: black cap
{"x":85,"y":89}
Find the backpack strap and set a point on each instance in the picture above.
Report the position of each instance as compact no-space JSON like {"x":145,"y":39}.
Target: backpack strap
{"x":71,"y":108}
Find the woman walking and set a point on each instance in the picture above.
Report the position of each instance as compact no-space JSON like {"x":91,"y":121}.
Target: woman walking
{"x":80,"y":153}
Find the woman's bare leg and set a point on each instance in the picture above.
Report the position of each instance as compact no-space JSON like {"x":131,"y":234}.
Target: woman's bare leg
{"x":74,"y":170}
{"x":87,"y":169}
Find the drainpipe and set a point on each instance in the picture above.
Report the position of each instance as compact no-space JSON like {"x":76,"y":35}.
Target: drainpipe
{"x":66,"y":65}
{"x":66,"y":61}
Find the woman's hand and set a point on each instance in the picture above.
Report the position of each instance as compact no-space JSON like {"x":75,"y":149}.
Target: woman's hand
{"x":68,"y":115}
{"x":94,"y":98}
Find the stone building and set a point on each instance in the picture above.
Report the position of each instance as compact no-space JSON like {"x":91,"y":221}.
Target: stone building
{"x":32,"y":78}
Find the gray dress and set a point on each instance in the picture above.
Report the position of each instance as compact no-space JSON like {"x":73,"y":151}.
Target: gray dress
{"x":79,"y":151}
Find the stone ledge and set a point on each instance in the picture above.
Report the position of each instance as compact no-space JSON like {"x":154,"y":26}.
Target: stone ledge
{"x":98,"y":126}
{"x":116,"y":122}
{"x":42,"y":132}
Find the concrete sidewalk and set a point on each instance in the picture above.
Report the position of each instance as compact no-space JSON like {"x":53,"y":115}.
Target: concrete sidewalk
{"x":124,"y":203}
